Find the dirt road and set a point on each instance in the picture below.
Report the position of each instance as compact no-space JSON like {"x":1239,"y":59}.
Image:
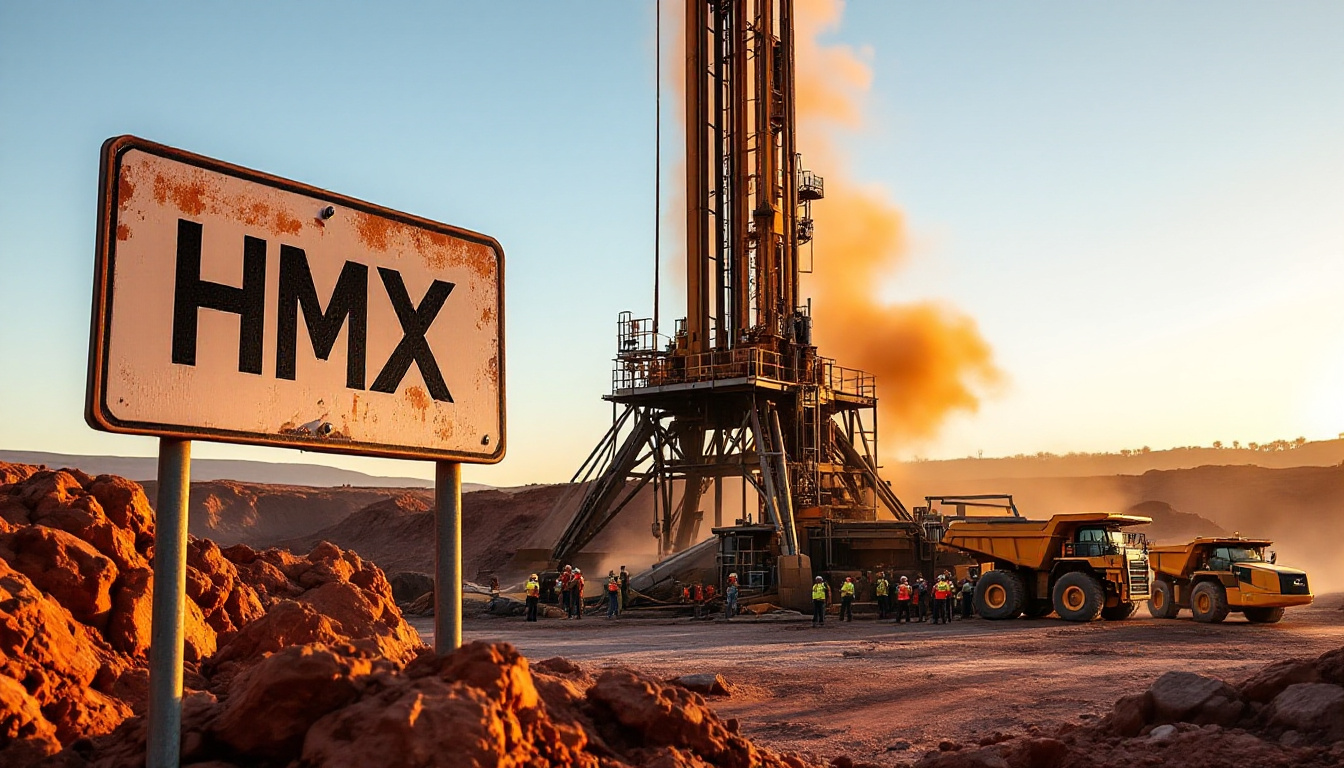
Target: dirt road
{"x":886,"y":694}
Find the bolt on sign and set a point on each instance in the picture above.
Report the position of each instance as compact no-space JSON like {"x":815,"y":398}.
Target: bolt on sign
{"x":232,"y":305}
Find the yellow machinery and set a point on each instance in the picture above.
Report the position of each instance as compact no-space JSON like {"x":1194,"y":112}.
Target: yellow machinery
{"x":1214,"y":576}
{"x":1078,"y":565}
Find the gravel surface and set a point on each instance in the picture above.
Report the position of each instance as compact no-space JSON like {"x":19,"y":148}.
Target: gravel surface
{"x":886,"y":694}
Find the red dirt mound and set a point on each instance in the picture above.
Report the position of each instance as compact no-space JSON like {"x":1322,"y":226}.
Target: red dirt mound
{"x":75,"y":593}
{"x":335,"y":707}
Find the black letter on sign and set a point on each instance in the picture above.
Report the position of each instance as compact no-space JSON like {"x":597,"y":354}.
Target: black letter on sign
{"x":415,"y":322}
{"x":349,"y":299}
{"x":192,"y":293}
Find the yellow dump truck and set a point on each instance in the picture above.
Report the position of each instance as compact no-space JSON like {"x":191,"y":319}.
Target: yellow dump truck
{"x":1215,"y":576}
{"x":1078,"y":565}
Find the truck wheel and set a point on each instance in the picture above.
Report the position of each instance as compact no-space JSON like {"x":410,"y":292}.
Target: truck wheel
{"x":1038,"y":608}
{"x":1119,"y":612}
{"x":1263,"y":615}
{"x":1078,"y":597}
{"x":1162,"y":603}
{"x":1209,"y":602}
{"x":1000,"y":595}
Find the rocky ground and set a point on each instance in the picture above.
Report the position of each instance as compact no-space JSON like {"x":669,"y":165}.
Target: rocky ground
{"x":889,"y":695}
{"x":291,"y":661}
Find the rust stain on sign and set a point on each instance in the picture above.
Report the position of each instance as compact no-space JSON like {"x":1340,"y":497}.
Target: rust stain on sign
{"x":123,"y":232}
{"x":419,"y":400}
{"x":125,"y":191}
{"x":196,"y":196}
{"x":187,"y":196}
{"x":440,"y":251}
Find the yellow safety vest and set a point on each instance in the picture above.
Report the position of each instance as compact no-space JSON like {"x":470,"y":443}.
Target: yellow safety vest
{"x":882,"y":587}
{"x":847,"y":589}
{"x":818,"y":591}
{"x":533,"y":589}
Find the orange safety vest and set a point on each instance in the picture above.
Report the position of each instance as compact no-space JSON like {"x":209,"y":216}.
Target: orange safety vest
{"x":611,"y":586}
{"x":903,"y":592}
{"x":941,"y":591}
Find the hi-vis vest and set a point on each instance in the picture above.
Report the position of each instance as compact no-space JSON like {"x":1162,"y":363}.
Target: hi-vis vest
{"x":847,"y":589}
{"x":942,"y":590}
{"x":612,"y":586}
{"x":903,"y":592}
{"x":819,"y":591}
{"x":883,"y":587}
{"x":533,"y":589}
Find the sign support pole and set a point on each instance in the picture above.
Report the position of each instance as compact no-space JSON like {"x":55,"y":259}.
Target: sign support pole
{"x":168,"y":605}
{"x":447,"y":556}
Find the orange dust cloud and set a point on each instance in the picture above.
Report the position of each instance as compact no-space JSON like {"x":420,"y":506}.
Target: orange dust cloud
{"x":929,"y":358}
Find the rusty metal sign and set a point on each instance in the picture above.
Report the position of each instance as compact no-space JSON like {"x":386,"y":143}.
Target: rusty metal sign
{"x":232,"y":305}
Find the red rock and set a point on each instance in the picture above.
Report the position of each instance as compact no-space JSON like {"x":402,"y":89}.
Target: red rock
{"x":201,"y":640}
{"x":1185,"y":696}
{"x":1130,"y":714}
{"x":668,"y":716}
{"x":48,"y":489}
{"x":14,"y":511}
{"x":125,"y":504}
{"x":1330,"y":666}
{"x":268,"y":581}
{"x":75,"y":574}
{"x":286,"y":623}
{"x":240,"y":554}
{"x":429,"y":722}
{"x":1316,"y":708}
{"x":1271,"y":680}
{"x":272,"y":705}
{"x":365,"y":617}
{"x":40,"y":642}
{"x":21,"y":716}
{"x":15,"y":473}
{"x":128,"y":628}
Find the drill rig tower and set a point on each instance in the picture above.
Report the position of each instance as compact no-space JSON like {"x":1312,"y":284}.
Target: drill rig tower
{"x":739,"y":390}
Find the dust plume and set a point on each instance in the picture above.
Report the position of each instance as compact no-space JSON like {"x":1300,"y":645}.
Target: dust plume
{"x":929,"y":358}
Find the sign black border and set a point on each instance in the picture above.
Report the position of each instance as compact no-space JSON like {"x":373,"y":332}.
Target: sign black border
{"x":99,"y":416}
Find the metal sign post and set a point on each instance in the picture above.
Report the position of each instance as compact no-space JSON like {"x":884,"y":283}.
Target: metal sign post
{"x":447,"y":556}
{"x":236,"y":306}
{"x":168,"y":605}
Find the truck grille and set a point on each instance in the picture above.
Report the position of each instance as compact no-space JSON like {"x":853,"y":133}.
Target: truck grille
{"x":1293,"y":584}
{"x":1138,"y":580}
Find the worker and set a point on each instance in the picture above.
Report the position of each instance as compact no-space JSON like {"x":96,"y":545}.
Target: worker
{"x":882,"y":589}
{"x":820,"y":591}
{"x":967,"y":591}
{"x":624,"y":578}
{"x":699,"y":600}
{"x":941,"y":592}
{"x":730,"y":597}
{"x":533,"y":591}
{"x":576,"y":593}
{"x":562,"y":583}
{"x":847,"y":599}
{"x":904,"y":596}
{"x":613,"y":595}
{"x":920,"y":598}
{"x":950,"y":608}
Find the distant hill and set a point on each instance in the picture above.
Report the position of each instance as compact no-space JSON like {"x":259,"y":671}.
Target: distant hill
{"x":146,"y":468}
{"x":940,"y":477}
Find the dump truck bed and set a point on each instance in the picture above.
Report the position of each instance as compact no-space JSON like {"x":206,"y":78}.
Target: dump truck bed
{"x":1180,"y":560}
{"x":1022,"y":542}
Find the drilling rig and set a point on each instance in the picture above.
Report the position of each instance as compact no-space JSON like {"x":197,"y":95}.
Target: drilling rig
{"x":738,"y":394}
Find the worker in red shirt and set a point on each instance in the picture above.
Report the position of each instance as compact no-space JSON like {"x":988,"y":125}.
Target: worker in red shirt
{"x":904,"y":595}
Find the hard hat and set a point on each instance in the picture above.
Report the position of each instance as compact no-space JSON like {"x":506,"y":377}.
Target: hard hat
{"x":818,"y":579}
{"x":732,"y":575}
{"x":576,"y":570}
{"x":533,"y":576}
{"x":904,"y":579}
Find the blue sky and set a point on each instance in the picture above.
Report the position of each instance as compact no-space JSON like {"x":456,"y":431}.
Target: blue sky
{"x":1142,"y":204}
